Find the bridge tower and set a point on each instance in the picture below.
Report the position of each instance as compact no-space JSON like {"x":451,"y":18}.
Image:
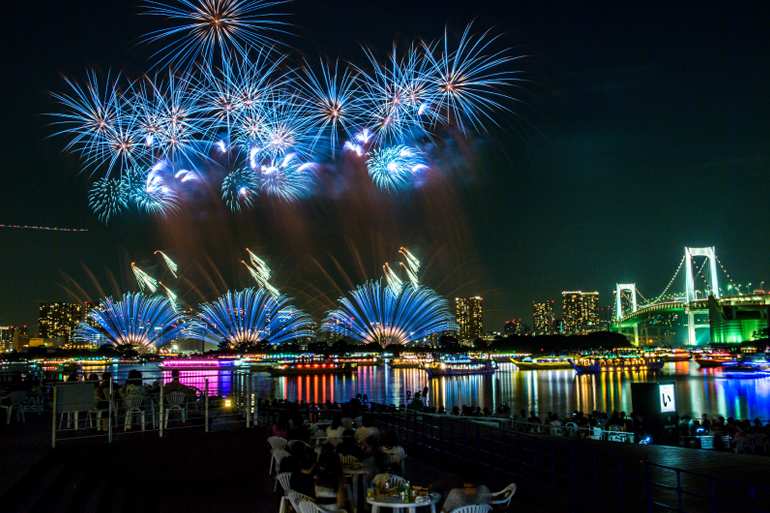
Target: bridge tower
{"x":631,"y":287}
{"x":689,"y":292}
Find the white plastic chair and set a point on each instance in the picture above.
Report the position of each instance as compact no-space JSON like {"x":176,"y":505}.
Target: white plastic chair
{"x":17,"y":398}
{"x":276,"y":458}
{"x":293,"y":443}
{"x":296,"y":499}
{"x":174,"y":402}
{"x":277,"y":442}
{"x":359,"y":422}
{"x":573,"y":429}
{"x":347,"y":459}
{"x":502,"y":499}
{"x":347,"y":422}
{"x":741,"y":445}
{"x":133,"y":404}
{"x":285,"y":479}
{"x":313,"y":507}
{"x":474,"y":508}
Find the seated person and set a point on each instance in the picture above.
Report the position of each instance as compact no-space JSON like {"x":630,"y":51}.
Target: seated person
{"x":303,"y":480}
{"x":470,"y":493}
{"x":300,"y":430}
{"x":134,"y":384}
{"x":349,"y":447}
{"x":176,"y":386}
{"x":391,"y":447}
{"x":367,"y":430}
{"x":329,"y":483}
{"x":335,"y":431}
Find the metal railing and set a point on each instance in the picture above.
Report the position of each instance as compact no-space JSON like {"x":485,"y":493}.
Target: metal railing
{"x":581,"y":475}
{"x":78,"y":413}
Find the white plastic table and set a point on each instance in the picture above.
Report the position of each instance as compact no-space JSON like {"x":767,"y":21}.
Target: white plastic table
{"x":397,"y":504}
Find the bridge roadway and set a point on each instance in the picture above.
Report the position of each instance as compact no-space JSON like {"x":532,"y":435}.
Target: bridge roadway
{"x":699,"y":305}
{"x":573,"y":474}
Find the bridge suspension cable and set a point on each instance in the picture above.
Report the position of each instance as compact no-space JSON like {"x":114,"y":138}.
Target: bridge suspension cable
{"x":728,"y":275}
{"x":670,"y":282}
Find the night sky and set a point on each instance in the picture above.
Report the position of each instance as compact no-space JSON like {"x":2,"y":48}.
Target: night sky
{"x":636,"y":131}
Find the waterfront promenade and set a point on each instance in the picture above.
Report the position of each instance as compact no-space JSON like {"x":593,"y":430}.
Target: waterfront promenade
{"x":226,"y":470}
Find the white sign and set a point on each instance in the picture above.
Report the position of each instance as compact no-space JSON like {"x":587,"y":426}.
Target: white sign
{"x":667,"y":398}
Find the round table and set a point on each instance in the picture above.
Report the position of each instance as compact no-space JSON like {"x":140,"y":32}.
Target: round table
{"x":397,"y":504}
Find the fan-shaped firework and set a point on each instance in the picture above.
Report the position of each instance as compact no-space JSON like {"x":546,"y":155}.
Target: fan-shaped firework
{"x":201,"y":27}
{"x":145,"y":322}
{"x":288,"y":179}
{"x":108,"y":197}
{"x":395,"y":167}
{"x":250,"y":316}
{"x":239,"y":189}
{"x":374,"y":313}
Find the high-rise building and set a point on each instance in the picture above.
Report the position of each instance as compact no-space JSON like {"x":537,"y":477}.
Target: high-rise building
{"x":542,"y":317}
{"x":512,"y":327}
{"x":468,"y":313}
{"x":580,"y":311}
{"x":7,"y":336}
{"x":57,"y":320}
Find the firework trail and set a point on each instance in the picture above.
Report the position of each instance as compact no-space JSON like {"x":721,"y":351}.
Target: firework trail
{"x":145,"y":322}
{"x":379,"y":314}
{"x":412,"y":266}
{"x":394,"y":282}
{"x":172,"y":298}
{"x":170,"y":263}
{"x":250,"y":316}
{"x":144,"y":280}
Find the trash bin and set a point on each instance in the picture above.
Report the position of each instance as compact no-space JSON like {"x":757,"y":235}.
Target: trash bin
{"x":706,"y":442}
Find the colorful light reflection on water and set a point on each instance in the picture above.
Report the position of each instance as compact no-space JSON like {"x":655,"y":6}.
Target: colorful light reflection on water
{"x":698,"y":390}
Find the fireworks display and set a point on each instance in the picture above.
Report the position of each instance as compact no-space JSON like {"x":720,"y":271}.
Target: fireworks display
{"x":170,"y":263}
{"x":250,"y":316}
{"x":233,"y":101}
{"x":373,"y":313}
{"x":144,"y":280}
{"x":145,"y":322}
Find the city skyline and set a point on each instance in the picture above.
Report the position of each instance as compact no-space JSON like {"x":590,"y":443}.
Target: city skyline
{"x":633,"y":138}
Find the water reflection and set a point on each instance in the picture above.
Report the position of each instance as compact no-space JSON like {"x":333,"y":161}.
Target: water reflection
{"x":698,"y":390}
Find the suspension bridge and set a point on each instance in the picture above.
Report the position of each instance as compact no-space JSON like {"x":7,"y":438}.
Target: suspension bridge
{"x":732,"y":318}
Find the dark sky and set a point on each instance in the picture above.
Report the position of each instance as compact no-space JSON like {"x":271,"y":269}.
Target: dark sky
{"x":640,"y":130}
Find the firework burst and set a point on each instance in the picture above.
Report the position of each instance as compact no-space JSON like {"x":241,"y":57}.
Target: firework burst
{"x":108,"y":197}
{"x":395,"y":167}
{"x":374,"y":313}
{"x":250,"y":316}
{"x":239,"y":189}
{"x":145,"y":322}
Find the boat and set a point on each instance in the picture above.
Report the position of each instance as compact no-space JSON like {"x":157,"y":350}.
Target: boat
{"x":616,"y":364}
{"x":410,"y":361}
{"x":675,"y":355}
{"x":198,"y":363}
{"x":460,"y":367}
{"x":361,"y":361}
{"x":308,"y":369}
{"x":544,"y":363}
{"x":711,"y":360}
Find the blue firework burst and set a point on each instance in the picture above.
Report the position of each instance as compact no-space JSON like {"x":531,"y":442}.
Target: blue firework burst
{"x":145,"y":322}
{"x":373,"y":313}
{"x":239,"y":189}
{"x":250,"y":315}
{"x":395,"y":167}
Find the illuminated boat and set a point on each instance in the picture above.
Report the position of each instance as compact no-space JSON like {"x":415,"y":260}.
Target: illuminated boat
{"x":306,"y":369}
{"x":460,"y":367}
{"x":545,"y":363}
{"x":410,"y":362}
{"x":677,"y":355}
{"x":709,"y":361}
{"x":198,"y":363}
{"x":616,"y":364}
{"x":745,"y":369}
{"x":361,"y":361}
